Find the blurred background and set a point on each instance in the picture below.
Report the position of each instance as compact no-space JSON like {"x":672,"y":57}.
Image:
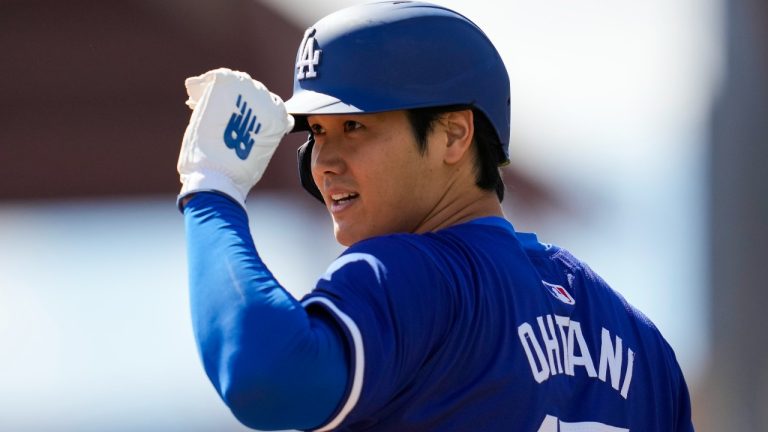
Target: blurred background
{"x":639,"y":142}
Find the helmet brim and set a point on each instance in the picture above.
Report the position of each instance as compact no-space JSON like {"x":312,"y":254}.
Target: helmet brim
{"x":308,"y":102}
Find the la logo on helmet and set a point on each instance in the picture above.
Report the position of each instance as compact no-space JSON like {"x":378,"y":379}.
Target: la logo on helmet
{"x":309,"y":57}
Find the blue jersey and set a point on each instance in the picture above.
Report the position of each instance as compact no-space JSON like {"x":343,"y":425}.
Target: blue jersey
{"x":476,"y":327}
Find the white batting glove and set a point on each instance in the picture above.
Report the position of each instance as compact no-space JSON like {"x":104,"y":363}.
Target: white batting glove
{"x":235,"y":127}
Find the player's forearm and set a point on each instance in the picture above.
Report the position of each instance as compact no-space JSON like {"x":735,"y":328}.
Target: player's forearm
{"x":272,"y":366}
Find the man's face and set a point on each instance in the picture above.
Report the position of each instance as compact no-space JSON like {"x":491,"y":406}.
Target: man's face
{"x":371,"y":174}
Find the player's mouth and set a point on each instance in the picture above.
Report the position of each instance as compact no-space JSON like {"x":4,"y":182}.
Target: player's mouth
{"x":341,"y":201}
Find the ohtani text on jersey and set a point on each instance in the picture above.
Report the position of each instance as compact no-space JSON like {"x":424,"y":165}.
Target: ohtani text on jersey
{"x":552,"y":352}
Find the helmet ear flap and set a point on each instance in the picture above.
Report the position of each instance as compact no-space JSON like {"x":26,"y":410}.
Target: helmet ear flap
{"x":305,"y":169}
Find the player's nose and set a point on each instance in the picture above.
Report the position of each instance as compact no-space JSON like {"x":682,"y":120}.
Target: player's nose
{"x":327,"y":159}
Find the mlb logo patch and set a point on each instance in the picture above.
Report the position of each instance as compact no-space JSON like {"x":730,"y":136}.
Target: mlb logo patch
{"x":559,"y":292}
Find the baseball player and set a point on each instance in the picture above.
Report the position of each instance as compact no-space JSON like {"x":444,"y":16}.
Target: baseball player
{"x":439,"y":316}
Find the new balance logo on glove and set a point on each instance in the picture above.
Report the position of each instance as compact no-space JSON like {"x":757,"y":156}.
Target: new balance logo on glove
{"x":239,"y":132}
{"x":251,"y":129}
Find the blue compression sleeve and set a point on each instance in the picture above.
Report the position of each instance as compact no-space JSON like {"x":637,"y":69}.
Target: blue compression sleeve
{"x":275,"y":366}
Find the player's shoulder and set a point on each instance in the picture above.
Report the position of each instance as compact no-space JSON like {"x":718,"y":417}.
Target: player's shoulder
{"x":387,"y":248}
{"x":431,"y":246}
{"x":428,"y":253}
{"x":393,"y":253}
{"x":386,"y":270}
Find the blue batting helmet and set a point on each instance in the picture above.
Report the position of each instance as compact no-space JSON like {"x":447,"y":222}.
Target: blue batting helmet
{"x":396,"y":55}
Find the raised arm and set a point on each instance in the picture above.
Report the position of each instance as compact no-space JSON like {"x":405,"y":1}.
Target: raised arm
{"x":274,"y":365}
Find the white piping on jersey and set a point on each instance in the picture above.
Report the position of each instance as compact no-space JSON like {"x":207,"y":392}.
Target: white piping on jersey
{"x":359,"y":363}
{"x":353,"y":257}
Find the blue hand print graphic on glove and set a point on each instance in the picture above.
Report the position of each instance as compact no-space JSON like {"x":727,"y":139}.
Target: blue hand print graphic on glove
{"x":239,"y":132}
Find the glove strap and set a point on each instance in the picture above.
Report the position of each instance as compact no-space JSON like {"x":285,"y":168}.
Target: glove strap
{"x":209,"y":181}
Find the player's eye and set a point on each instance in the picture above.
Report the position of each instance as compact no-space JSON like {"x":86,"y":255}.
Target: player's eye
{"x":351,"y":125}
{"x":316,"y":129}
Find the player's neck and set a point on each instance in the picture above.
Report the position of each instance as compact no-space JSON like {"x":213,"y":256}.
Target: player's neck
{"x":460,"y":207}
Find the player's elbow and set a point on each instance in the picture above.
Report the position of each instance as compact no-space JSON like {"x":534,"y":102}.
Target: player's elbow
{"x":269,"y":401}
{"x":291,"y":382}
{"x":255,"y":407}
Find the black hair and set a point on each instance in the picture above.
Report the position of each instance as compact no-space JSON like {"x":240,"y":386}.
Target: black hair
{"x":488,"y":154}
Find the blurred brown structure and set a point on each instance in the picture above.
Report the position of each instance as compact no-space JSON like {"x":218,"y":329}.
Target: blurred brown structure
{"x":93,"y":91}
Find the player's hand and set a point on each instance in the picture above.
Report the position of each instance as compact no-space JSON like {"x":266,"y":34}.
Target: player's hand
{"x":235,"y":127}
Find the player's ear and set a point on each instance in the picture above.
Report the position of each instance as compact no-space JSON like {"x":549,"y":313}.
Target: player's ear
{"x":459,"y":130}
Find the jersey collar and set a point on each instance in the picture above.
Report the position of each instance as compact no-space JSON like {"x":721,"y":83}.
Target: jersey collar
{"x":530,"y":241}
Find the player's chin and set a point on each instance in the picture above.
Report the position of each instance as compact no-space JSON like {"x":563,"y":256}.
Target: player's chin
{"x":341,"y":234}
{"x":347,"y":234}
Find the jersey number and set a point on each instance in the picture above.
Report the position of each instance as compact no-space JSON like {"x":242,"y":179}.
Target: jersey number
{"x":552,"y":424}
